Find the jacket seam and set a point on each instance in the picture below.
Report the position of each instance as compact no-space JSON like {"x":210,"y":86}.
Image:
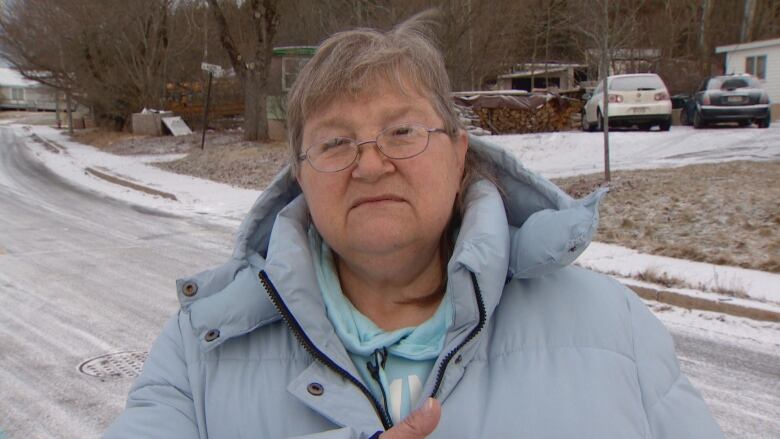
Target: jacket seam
{"x":549,"y":347}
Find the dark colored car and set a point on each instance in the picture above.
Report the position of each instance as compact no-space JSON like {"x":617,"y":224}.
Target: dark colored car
{"x":731,"y":98}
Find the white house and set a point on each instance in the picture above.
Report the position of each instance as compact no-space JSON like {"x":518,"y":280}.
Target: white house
{"x":762,"y":60}
{"x":19,"y":93}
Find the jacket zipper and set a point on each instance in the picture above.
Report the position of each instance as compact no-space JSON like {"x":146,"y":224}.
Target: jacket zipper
{"x":320,"y":356}
{"x":472,"y":334}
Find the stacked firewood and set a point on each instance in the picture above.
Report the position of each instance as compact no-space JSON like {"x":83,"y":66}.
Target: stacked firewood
{"x":528,"y":114}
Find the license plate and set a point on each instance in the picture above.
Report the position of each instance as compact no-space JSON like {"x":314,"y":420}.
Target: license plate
{"x":638,"y":110}
{"x":734,"y":99}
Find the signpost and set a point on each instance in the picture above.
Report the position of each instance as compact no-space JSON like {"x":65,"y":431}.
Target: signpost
{"x":214,"y":70}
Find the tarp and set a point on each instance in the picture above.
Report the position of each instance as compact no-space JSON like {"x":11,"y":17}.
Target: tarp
{"x":529,"y":102}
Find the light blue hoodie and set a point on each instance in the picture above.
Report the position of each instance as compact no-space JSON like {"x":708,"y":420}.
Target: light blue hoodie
{"x":393,"y":364}
{"x":536,"y":348}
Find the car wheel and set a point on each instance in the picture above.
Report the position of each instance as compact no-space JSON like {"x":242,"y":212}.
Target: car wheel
{"x":764,"y":123}
{"x":585,"y":125}
{"x":665,"y":125}
{"x":697,"y":120}
{"x":644,"y":126}
{"x":684,"y":118}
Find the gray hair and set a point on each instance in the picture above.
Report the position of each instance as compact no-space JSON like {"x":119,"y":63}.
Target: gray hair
{"x":348,"y":63}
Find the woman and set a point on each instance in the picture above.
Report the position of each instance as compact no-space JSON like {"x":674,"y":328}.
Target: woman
{"x":391,"y":275}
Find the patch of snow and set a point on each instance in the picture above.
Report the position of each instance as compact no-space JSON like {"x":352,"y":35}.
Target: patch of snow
{"x":628,"y":263}
{"x":569,"y":153}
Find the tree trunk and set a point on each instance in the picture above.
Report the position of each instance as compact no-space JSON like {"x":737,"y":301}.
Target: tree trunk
{"x":68,"y":102}
{"x":255,"y":103}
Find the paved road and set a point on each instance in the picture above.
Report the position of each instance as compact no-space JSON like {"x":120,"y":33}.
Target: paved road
{"x":82,"y":275}
{"x":740,"y":384}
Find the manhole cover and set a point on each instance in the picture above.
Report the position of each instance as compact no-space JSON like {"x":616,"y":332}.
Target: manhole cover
{"x":116,"y":365}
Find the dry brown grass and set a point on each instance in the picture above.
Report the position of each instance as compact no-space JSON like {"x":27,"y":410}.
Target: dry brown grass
{"x":102,"y":138}
{"x":243,"y":164}
{"x":661,"y":278}
{"x":726,"y":214}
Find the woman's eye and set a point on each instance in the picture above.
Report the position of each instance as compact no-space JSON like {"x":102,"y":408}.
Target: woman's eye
{"x":402,"y":131}
{"x":336,"y":142}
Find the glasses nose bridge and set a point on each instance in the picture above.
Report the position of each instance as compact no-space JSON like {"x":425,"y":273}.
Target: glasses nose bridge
{"x":359,"y":150}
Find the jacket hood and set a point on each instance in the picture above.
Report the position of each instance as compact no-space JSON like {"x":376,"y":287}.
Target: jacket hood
{"x":548,"y":228}
{"x":543,"y":229}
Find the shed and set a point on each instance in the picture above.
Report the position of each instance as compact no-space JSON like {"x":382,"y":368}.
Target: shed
{"x":545,"y":75}
{"x":760,"y":59}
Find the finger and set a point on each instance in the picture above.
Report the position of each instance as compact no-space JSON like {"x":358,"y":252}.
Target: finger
{"x":418,"y":424}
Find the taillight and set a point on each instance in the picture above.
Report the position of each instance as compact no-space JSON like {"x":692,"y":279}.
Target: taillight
{"x":662,"y":96}
{"x":705,"y":99}
{"x":615,"y":99}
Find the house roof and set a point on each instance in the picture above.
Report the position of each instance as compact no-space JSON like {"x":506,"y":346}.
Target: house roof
{"x":540,"y":70}
{"x":12,"y":78}
{"x":746,"y":46}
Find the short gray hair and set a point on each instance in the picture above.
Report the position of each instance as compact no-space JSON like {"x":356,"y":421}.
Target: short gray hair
{"x":348,"y":63}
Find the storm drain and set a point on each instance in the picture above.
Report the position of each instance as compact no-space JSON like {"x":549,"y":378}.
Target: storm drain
{"x":116,"y":365}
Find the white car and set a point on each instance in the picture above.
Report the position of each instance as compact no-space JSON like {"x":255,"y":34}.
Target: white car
{"x":637,"y":99}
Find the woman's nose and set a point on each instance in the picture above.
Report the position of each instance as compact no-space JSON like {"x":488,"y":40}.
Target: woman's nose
{"x":371,"y":163}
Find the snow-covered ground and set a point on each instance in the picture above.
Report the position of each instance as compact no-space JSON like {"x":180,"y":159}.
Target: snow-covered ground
{"x":551,"y":154}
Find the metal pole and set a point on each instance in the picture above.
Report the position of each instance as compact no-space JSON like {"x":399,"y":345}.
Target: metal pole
{"x":605,"y":64}
{"x":206,"y":113}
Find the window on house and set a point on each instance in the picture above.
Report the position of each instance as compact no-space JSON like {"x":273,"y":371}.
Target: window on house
{"x":17,"y":94}
{"x":756,"y":66}
{"x":290,"y":69}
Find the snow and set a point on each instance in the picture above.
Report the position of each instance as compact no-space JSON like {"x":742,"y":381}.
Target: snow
{"x":570,"y":153}
{"x":195,"y":196}
{"x":12,"y":78}
{"x":551,"y":154}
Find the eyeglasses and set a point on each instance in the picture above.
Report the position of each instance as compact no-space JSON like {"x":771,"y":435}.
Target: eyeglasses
{"x":396,"y":142}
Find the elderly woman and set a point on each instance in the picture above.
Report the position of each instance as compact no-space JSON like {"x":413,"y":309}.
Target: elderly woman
{"x":401,"y":280}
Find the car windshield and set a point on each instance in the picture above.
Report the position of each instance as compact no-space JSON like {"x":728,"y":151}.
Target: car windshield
{"x":634,"y":83}
{"x":732,"y":83}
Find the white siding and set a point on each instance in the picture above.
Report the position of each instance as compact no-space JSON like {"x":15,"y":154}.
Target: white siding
{"x":735,"y":63}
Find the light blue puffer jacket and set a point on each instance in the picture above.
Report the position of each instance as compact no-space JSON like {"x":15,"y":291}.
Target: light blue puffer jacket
{"x":538,"y":349}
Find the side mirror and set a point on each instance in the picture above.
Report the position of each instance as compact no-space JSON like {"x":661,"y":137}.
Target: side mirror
{"x":586,"y":96}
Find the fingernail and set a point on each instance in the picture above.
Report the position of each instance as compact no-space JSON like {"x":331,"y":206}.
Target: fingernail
{"x":428,"y":405}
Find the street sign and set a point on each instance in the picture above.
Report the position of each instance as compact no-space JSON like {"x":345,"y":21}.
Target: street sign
{"x":214,"y":69}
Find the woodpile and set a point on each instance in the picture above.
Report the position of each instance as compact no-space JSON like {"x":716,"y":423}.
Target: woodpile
{"x":525,"y":114}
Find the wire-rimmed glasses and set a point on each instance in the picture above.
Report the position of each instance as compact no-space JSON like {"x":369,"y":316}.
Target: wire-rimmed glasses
{"x":396,"y":142}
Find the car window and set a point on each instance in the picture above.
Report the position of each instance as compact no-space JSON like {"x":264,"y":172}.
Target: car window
{"x":633,"y":83}
{"x":598,"y":89}
{"x":732,"y":83}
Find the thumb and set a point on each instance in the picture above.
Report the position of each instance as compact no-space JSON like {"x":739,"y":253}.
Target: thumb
{"x":419,"y":424}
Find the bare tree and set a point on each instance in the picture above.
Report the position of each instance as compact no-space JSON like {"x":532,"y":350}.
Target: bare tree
{"x":607,"y":26}
{"x":249,"y":46}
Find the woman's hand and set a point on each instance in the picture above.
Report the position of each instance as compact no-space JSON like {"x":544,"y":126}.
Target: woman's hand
{"x":419,"y":424}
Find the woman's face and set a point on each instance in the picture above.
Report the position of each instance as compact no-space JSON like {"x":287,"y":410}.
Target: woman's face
{"x":380,"y":205}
